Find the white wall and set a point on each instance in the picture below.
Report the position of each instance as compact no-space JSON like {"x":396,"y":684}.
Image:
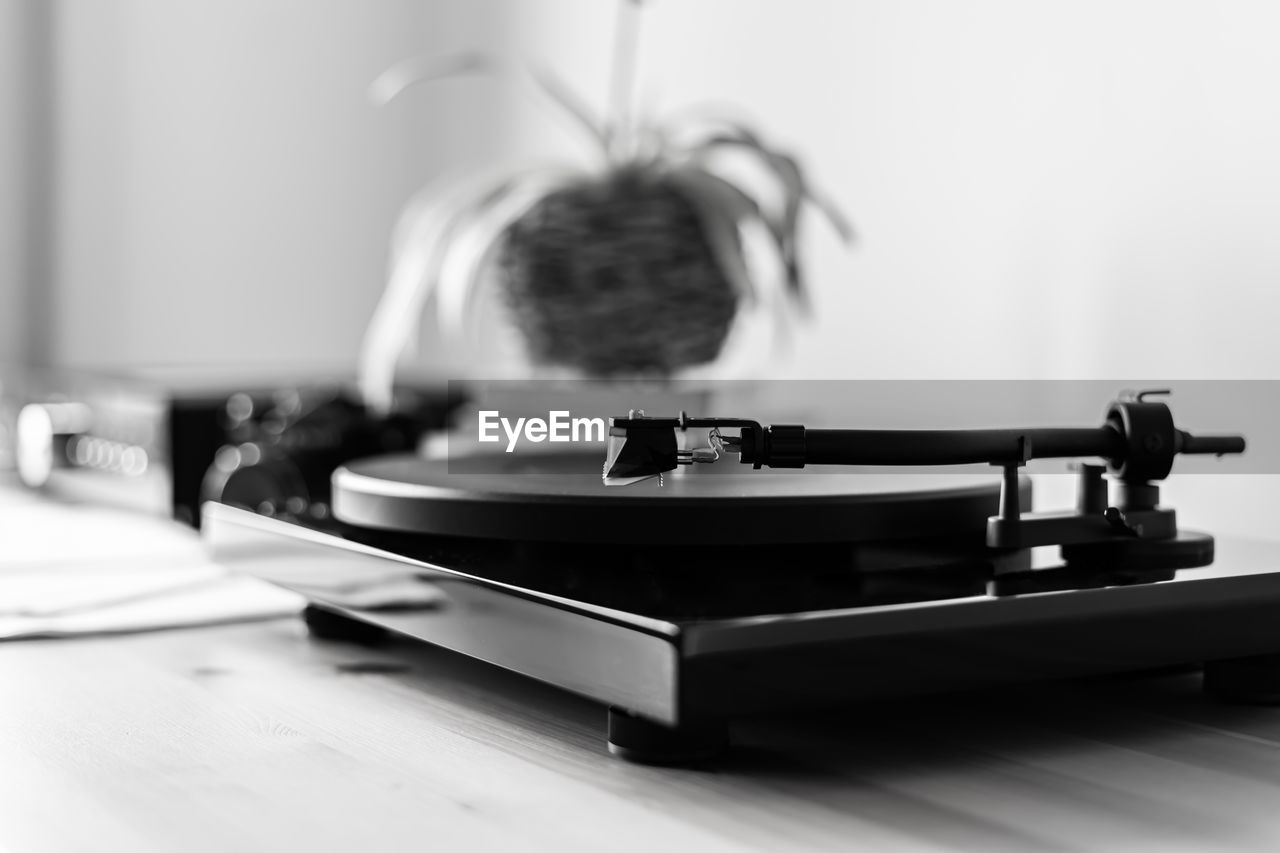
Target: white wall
{"x":13,"y":190}
{"x":1083,"y":189}
{"x":225,"y":191}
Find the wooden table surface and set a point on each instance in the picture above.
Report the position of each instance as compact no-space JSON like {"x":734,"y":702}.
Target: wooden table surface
{"x":256,"y":737}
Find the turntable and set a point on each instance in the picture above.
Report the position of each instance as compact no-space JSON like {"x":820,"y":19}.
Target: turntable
{"x":735,"y":590}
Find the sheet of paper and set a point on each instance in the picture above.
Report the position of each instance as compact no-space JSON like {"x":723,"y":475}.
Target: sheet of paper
{"x":69,"y":569}
{"x":228,"y":599}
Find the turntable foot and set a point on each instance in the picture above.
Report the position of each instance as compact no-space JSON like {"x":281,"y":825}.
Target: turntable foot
{"x":326,"y":624}
{"x":1251,"y":680}
{"x":639,"y":740}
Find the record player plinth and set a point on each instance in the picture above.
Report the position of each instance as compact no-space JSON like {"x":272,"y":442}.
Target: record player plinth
{"x":1247,"y":681}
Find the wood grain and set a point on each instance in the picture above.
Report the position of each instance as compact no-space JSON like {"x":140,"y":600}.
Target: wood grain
{"x":256,"y":737}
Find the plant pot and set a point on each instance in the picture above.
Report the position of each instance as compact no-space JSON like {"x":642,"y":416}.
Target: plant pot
{"x":615,"y":277}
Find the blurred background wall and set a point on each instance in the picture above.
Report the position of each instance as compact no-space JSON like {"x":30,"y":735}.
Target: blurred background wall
{"x":1075,"y":189}
{"x":224,"y":190}
{"x":15,"y":167}
{"x":1041,"y":189}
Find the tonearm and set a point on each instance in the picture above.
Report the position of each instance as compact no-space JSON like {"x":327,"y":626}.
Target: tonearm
{"x":1137,"y":441}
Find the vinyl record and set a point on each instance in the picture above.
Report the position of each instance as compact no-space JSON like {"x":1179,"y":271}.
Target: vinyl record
{"x":560,"y":498}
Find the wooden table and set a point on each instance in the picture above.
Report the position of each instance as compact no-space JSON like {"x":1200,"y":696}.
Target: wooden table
{"x":256,"y":737}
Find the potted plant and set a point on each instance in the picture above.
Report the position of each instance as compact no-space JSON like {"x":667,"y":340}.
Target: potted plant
{"x":634,"y":265}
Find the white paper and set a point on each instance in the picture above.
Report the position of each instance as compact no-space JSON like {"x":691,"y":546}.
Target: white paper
{"x":68,"y":569}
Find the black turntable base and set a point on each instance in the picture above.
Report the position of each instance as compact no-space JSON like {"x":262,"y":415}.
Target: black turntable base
{"x":719,"y":595}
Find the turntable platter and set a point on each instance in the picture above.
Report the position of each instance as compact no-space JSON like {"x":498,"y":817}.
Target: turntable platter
{"x":560,"y":498}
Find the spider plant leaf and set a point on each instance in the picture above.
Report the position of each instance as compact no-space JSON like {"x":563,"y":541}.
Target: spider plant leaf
{"x":471,"y":252}
{"x":785,"y":168}
{"x":742,"y":202}
{"x":562,"y":94}
{"x":761,"y":230}
{"x":424,"y":69}
{"x":786,"y":173}
{"x":421,"y":236}
{"x":401,"y":76}
{"x":649,"y":146}
{"x":698,"y":120}
{"x":834,"y":215}
{"x":721,"y":212}
{"x":795,"y":191}
{"x":731,"y":133}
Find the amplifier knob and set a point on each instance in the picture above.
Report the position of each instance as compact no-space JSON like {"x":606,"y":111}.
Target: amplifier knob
{"x":40,"y":438}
